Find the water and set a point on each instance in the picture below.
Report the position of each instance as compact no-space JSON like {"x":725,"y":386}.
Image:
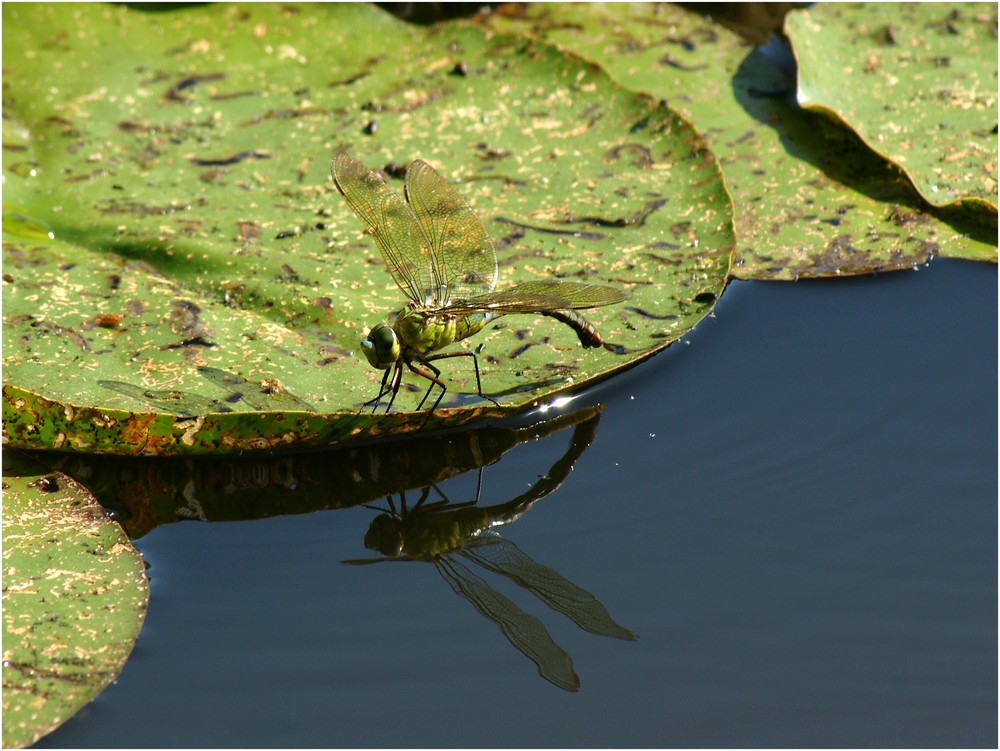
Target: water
{"x":795,"y":510}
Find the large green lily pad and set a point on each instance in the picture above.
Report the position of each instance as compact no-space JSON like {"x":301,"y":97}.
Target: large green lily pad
{"x":181,"y":275}
{"x":917,"y":81}
{"x":810,"y":199}
{"x":74,"y":598}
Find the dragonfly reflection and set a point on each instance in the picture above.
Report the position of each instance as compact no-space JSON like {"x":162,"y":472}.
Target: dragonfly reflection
{"x":439,"y":531}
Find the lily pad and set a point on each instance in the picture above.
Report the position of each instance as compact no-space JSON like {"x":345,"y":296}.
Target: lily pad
{"x":182,"y":276}
{"x":74,"y":599}
{"x":810,"y":199}
{"x":917,"y":82}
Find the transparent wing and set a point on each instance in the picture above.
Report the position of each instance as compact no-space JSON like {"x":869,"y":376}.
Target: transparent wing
{"x":494,"y":553}
{"x":391,"y":223}
{"x":522,"y":630}
{"x":535,"y":297}
{"x":463,"y":260}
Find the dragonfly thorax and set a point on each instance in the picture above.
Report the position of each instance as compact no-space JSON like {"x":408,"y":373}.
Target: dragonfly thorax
{"x":424,"y":332}
{"x":415,"y":333}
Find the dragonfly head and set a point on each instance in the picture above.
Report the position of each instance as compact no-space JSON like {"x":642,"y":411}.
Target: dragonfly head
{"x":385,"y":535}
{"x":381,"y":346}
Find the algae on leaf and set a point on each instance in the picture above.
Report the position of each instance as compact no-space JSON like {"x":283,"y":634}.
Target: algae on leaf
{"x":810,"y":199}
{"x":74,"y":598}
{"x":181,"y":160}
{"x":917,"y":82}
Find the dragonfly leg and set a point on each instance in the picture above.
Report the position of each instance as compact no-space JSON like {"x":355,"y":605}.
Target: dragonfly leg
{"x":397,"y":375}
{"x":433,"y":374}
{"x":434,"y":379}
{"x":397,"y":379}
{"x":475,"y":363}
{"x":373,"y":403}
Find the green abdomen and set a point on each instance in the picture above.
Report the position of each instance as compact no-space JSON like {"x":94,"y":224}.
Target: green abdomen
{"x":471,"y":324}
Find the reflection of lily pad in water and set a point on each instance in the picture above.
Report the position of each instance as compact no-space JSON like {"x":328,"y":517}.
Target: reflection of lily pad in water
{"x":146,"y":492}
{"x":210,"y":255}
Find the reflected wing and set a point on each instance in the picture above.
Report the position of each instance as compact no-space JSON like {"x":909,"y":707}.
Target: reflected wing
{"x":464,"y":261}
{"x":391,"y":223}
{"x":496,"y":554}
{"x":536,"y":297}
{"x":522,"y":630}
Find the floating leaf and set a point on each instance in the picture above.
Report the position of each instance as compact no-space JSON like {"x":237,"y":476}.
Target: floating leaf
{"x":184,"y":171}
{"x":74,"y":599}
{"x":917,"y":82}
{"x":810,"y":199}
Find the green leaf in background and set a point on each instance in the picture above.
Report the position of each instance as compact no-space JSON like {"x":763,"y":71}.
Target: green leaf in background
{"x":182,"y":276}
{"x":74,"y":598}
{"x":810,"y":199}
{"x":917,"y":81}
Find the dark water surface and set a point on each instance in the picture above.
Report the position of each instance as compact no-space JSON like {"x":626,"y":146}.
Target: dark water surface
{"x":795,"y":511}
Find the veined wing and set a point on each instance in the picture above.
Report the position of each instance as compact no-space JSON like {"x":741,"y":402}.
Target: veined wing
{"x":391,"y":223}
{"x":494,"y":553}
{"x":463,"y":260}
{"x":535,"y":297}
{"x":522,"y":630}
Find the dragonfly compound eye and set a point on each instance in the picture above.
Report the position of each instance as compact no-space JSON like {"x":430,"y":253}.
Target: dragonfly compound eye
{"x":381,"y":346}
{"x":384,"y":535}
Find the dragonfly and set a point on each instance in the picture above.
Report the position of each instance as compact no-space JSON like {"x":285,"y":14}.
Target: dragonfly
{"x":439,"y":254}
